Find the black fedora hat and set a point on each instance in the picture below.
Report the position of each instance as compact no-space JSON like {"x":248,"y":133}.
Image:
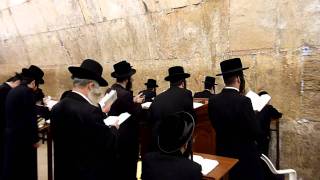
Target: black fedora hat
{"x":89,"y":69}
{"x":122,"y":69}
{"x":176,"y":73}
{"x":210,"y":80}
{"x":33,"y":72}
{"x":174,"y":131}
{"x":231,"y":66}
{"x":151,"y":83}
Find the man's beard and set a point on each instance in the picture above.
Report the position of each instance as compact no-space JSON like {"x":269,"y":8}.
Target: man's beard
{"x":94,"y":96}
{"x":129,"y":85}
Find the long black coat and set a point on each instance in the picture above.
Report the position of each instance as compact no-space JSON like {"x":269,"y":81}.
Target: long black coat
{"x":203,"y":94}
{"x":237,"y":130}
{"x":84,"y":147}
{"x":20,"y":161}
{"x":158,"y":166}
{"x":264,"y":117}
{"x":149,"y":95}
{"x":4,"y":90}
{"x":173,"y":100}
{"x":128,"y":148}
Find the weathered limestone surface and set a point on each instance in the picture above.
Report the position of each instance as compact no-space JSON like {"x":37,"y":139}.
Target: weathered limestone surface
{"x":278,"y":40}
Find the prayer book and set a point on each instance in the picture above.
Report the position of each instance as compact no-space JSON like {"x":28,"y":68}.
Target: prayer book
{"x":109,"y":98}
{"x":49,"y":102}
{"x":197,"y":105}
{"x":112,"y":120}
{"x":258,"y":102}
{"x":207,"y":165}
{"x":146,"y":105}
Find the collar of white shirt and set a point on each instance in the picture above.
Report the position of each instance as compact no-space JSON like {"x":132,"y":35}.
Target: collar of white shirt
{"x":83,"y":96}
{"x":228,"y":87}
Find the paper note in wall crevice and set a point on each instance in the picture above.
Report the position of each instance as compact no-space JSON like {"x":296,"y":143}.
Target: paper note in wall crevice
{"x":207,"y":165}
{"x":111,"y":120}
{"x":109,"y":98}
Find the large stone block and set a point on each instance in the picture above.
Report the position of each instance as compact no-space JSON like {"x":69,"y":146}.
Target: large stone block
{"x":7,"y":26}
{"x":91,"y":11}
{"x":252,"y":25}
{"x":13,"y":51}
{"x":300,"y":147}
{"x":115,"y":9}
{"x":46,"y":49}
{"x":28,"y":10}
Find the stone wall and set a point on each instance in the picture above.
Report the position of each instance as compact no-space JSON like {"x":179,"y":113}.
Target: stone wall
{"x":278,"y":40}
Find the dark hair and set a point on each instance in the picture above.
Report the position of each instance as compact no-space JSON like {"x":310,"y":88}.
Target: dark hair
{"x":121,"y":79}
{"x":228,"y":80}
{"x":262,"y":93}
{"x":177,"y":83}
{"x":15,"y":78}
{"x":208,"y":85}
{"x":28,"y":80}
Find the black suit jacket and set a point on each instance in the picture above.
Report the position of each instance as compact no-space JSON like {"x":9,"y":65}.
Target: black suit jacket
{"x":84,"y":147}
{"x":237,"y":130}
{"x":158,"y":166}
{"x":4,"y":90}
{"x":173,"y":100}
{"x":148,"y":95}
{"x":128,"y":131}
{"x":20,"y":134}
{"x":203,"y":94}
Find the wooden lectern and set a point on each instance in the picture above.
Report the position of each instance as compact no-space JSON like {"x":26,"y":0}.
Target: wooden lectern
{"x":204,"y":136}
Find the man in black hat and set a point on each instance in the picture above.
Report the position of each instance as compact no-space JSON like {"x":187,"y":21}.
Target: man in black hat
{"x":21,"y":134}
{"x":12,"y":82}
{"x":128,"y":132}
{"x":150,"y":92}
{"x":264,"y":117}
{"x":234,"y":121}
{"x":176,"y":98}
{"x":175,"y":131}
{"x":209,"y":88}
{"x":84,"y":147}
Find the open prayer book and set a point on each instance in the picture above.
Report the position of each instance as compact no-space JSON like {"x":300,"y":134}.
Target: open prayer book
{"x":49,"y":102}
{"x":207,"y":165}
{"x":109,"y":98}
{"x":197,"y":104}
{"x":258,"y":102}
{"x":111,"y":120}
{"x":146,"y":105}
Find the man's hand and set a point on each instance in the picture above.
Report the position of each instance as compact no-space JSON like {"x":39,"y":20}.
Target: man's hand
{"x":36,"y":145}
{"x":106,"y":108}
{"x":139,"y":98}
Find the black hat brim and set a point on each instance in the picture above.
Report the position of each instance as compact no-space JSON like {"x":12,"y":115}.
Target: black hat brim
{"x":209,"y":82}
{"x":177,"y":76}
{"x":85,"y":74}
{"x":115,"y":75}
{"x":26,"y":72}
{"x":232,"y":71}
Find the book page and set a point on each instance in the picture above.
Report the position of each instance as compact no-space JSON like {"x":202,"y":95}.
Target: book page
{"x":258,"y":102}
{"x":197,"y":105}
{"x":207,"y":165}
{"x":264,"y":99}
{"x":50,"y":103}
{"x":112,"y":120}
{"x":109,"y":98}
{"x":146,"y":105}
